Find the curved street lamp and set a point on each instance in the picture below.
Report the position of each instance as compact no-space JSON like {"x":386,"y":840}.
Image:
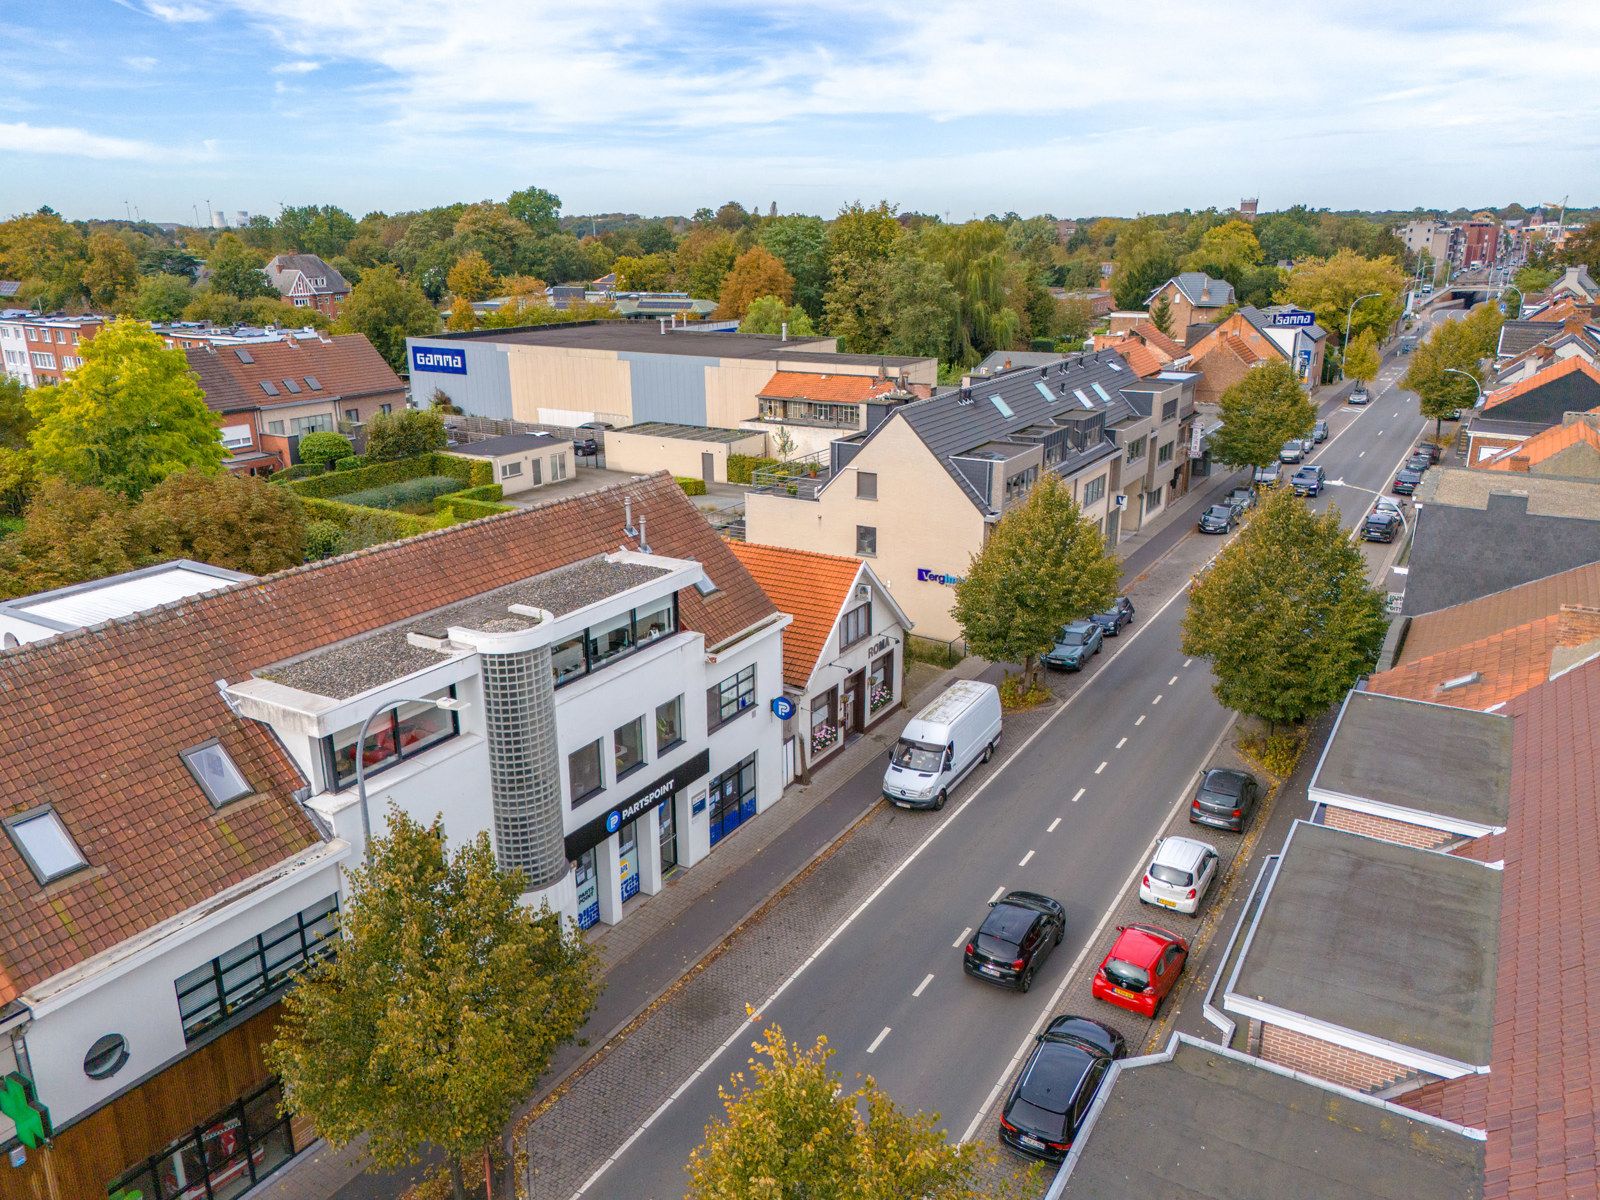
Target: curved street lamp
{"x":1344,"y":350}
{"x":447,"y":703}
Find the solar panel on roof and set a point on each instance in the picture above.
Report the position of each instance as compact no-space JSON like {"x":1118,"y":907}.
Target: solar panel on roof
{"x":291,"y":386}
{"x":313,"y":383}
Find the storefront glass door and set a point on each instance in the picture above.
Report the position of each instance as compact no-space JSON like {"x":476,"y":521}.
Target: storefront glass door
{"x":628,"y":859}
{"x":588,"y":890}
{"x":733,"y":799}
{"x":669,"y":838}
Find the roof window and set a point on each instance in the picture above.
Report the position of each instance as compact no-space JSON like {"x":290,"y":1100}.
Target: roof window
{"x":45,"y":844}
{"x":313,"y":383}
{"x":1101,"y":392}
{"x":244,"y":355}
{"x":291,"y":386}
{"x":268,"y":387}
{"x":1082,"y":399}
{"x":1044,"y":390}
{"x":1003,"y":408}
{"x":214,"y":771}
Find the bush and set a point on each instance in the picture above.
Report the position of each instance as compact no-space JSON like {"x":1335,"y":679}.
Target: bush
{"x":692,"y":487}
{"x":350,"y":463}
{"x":298,"y":471}
{"x":405,"y":434}
{"x":323,"y":448}
{"x":322,"y":540}
{"x":1013,"y":697}
{"x":458,"y":508}
{"x":489,"y":491}
{"x":421,"y":490}
{"x":468,"y":472}
{"x":375,"y":524}
{"x":1275,"y":753}
{"x":741,"y":466}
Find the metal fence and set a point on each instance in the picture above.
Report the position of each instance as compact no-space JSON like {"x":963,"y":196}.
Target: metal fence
{"x":465,"y":429}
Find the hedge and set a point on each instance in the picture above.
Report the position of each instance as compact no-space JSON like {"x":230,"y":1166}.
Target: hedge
{"x":694,"y":487}
{"x":422,"y":490}
{"x":392,"y":525}
{"x":489,"y":491}
{"x":468,"y":472}
{"x":298,"y":471}
{"x":351,"y":463}
{"x":740,"y":467}
{"x":458,"y":507}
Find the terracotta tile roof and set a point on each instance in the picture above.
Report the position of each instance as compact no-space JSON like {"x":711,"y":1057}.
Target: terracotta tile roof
{"x":811,"y":587}
{"x":1559,"y":312}
{"x":1504,"y":664}
{"x":1459,"y":625}
{"x":1241,"y":348}
{"x":1540,"y":1101}
{"x":93,"y":721}
{"x":833,"y":389}
{"x":1158,"y":341}
{"x":1144,"y":361}
{"x":345,"y":365}
{"x":1544,"y":445}
{"x":1567,"y":366}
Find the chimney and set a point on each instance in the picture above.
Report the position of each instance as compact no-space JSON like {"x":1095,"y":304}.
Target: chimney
{"x":783,"y":332}
{"x":1205,"y":291}
{"x":662,"y":321}
{"x":627,"y":517}
{"x":644,"y":546}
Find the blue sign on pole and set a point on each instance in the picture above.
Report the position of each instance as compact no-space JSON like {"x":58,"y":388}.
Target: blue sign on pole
{"x":783,"y":708}
{"x":443,"y":359}
{"x":1293,"y":318}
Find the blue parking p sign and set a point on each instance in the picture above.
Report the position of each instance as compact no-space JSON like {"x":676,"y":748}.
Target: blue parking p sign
{"x":783,"y":708}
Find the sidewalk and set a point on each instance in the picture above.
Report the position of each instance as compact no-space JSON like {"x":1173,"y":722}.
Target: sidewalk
{"x":644,"y":957}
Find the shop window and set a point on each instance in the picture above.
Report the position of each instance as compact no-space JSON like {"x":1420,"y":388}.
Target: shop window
{"x":588,"y":885}
{"x":584,"y":773}
{"x":880,"y":683}
{"x":867,"y":540}
{"x":213,"y":992}
{"x":855,"y":625}
{"x":824,"y":722}
{"x":669,"y":725}
{"x":628,"y":859}
{"x":224,"y":1157}
{"x":629,"y":746}
{"x":732,"y":799}
{"x":726,"y":700}
{"x":669,"y":839}
{"x":393,"y":737}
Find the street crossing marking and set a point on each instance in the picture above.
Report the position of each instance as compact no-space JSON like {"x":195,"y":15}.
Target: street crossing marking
{"x":1081,"y":791}
{"x":1121,"y":742}
{"x":1101,"y":767}
{"x":965,"y":934}
{"x":878,"y":1041}
{"x":926,"y":980}
{"x":1025,"y":859}
{"x":1053,"y":825}
{"x":998,"y":892}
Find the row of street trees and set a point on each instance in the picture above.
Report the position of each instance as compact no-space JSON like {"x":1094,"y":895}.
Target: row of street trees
{"x":1446,"y":370}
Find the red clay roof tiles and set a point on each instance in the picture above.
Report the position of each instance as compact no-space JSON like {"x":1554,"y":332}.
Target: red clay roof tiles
{"x":812,"y":588}
{"x":345,"y":365}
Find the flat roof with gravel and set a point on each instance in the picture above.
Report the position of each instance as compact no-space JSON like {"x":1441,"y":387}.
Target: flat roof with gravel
{"x":1454,"y":762}
{"x":1380,"y":939}
{"x":371,"y":660}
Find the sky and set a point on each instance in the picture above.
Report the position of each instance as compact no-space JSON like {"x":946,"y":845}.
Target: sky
{"x":169,"y":107}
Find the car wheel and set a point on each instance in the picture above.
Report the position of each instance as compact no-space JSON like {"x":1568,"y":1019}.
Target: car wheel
{"x":1026,"y":981}
{"x":938,"y":801}
{"x":1061,"y":933}
{"x":988,"y":752}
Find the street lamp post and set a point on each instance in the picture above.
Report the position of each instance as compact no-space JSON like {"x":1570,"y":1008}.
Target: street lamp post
{"x":447,"y":703}
{"x":1458,"y":371}
{"x":1344,"y":353}
{"x":1511,"y":287}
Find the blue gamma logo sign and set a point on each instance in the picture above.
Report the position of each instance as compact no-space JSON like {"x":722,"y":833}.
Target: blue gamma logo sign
{"x":435,"y":358}
{"x":1293,"y":318}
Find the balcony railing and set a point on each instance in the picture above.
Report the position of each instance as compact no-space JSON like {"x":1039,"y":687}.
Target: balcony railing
{"x":801,"y":478}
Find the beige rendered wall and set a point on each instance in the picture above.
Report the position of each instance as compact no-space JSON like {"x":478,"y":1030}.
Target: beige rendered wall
{"x":731,"y":389}
{"x":556,"y":377}
{"x":640,"y":454}
{"x":923,"y":518}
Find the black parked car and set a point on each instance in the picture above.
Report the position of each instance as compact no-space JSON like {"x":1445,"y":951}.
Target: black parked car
{"x":1015,"y":939}
{"x":1419,"y":462}
{"x":1115,"y":617}
{"x":1226,"y":800}
{"x":1057,"y":1086}
{"x":1219,"y":518}
{"x":584,"y":445}
{"x":1406,"y":482}
{"x":1381,"y":526}
{"x":1308,"y":480}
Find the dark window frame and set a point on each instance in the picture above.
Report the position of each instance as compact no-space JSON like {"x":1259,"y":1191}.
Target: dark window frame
{"x":866,"y":490}
{"x":338,"y":783}
{"x":636,"y":643}
{"x":600,"y":773}
{"x":217,"y":801}
{"x":146,"y":1178}
{"x":22,"y":818}
{"x":848,"y":619}
{"x":678,"y":739}
{"x":641,"y":761}
{"x":872,"y":538}
{"x":740,"y":688}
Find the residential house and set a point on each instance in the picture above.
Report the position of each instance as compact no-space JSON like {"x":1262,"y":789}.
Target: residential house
{"x":843,"y":651}
{"x":1099,"y":300}
{"x":188,"y":786}
{"x":1429,"y":236}
{"x":1571,"y":449}
{"x":1193,"y":296}
{"x":1251,"y":336}
{"x":1539,"y":325}
{"x":916,"y":494}
{"x":1511,"y":415}
{"x":522,"y":461}
{"x":1577,"y":283}
{"x":814,"y":407}
{"x":268,"y":395}
{"x":1476,"y":243}
{"x":1481,"y":532}
{"x":1575,"y":338}
{"x":306,"y":281}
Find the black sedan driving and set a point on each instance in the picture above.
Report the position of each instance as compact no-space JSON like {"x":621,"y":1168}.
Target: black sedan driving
{"x":1057,"y":1086}
{"x":1015,"y":939}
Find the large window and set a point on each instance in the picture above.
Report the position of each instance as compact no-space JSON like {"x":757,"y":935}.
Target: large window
{"x":654,"y":621}
{"x":584,"y":773}
{"x":210,"y":994}
{"x":394,"y":736}
{"x":558,"y":467}
{"x":726,"y":700}
{"x":733,"y":799}
{"x":1164,"y":455}
{"x":855,"y":625}
{"x":669,"y":725}
{"x":609,"y":639}
{"x":1169,"y":411}
{"x":629,"y":746}
{"x":1094,"y":491}
{"x":1136,"y":448}
{"x":321,"y":423}
{"x":223,"y":1158}
{"x":600,"y":644}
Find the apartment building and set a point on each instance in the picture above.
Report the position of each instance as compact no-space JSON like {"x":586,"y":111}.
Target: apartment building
{"x":39,"y":350}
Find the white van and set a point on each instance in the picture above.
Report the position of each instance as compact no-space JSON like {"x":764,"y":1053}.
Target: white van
{"x":942,"y":743}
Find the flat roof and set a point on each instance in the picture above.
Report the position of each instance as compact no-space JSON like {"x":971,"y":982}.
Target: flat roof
{"x":79,"y":605}
{"x":511,"y":443}
{"x":1209,"y":1124}
{"x":362,"y":663}
{"x":1454,"y":762}
{"x":1380,"y":939}
{"x":689,"y":433}
{"x":639,"y":337}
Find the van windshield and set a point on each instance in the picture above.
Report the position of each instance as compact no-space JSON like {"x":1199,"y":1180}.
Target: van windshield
{"x":918,"y":756}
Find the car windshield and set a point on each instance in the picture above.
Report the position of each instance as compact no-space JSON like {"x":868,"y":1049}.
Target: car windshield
{"x":1171,"y":875}
{"x":1072,"y":637}
{"x":917,"y":756}
{"x":1052,"y":1077}
{"x":1214,"y":797}
{"x":1126,"y":975}
{"x":1220,"y":511}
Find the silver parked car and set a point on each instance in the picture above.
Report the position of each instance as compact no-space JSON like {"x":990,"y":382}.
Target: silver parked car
{"x":1180,"y":874}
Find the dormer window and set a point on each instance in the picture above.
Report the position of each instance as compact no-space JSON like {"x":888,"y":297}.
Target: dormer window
{"x":45,"y":844}
{"x":216,"y":774}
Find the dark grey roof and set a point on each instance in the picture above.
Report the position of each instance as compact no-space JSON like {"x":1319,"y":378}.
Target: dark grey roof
{"x":1379,"y":939}
{"x":690,"y":433}
{"x":1261,"y":318}
{"x":1518,"y":336}
{"x":824,"y":358}
{"x":1525,"y":429}
{"x":1010,"y":360}
{"x":642,"y":337}
{"x":1203,"y":1123}
{"x":1430,"y":758}
{"x":511,"y":443}
{"x":312,"y":267}
{"x":955,"y":420}
{"x":1524,"y":528}
{"x":1193,"y":283}
{"x":1197,"y":330}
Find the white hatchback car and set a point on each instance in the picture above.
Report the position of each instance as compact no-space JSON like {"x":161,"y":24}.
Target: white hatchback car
{"x":1180,"y":874}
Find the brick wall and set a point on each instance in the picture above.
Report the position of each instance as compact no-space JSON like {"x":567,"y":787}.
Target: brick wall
{"x":1219,"y":371}
{"x":1403,"y":832}
{"x":1313,"y":1056}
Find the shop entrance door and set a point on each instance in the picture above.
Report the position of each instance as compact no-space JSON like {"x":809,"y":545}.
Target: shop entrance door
{"x":851,"y":704}
{"x":628,"y":859}
{"x":669,"y":839}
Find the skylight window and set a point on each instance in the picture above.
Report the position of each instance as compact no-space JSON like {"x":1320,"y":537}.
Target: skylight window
{"x":268,"y":386}
{"x":45,"y":844}
{"x":1101,"y":392}
{"x":290,"y":385}
{"x":214,"y":771}
{"x":1115,"y":366}
{"x":244,"y":356}
{"x":1044,"y":390}
{"x":313,"y":383}
{"x":1082,"y":399}
{"x":1005,"y":409}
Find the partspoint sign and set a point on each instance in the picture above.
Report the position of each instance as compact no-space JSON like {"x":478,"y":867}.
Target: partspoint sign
{"x":445,"y":359}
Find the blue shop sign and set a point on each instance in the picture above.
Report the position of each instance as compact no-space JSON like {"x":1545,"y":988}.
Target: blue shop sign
{"x":924,"y":575}
{"x":592,"y":833}
{"x":783,"y":708}
{"x":443,"y":359}
{"x":1294,"y":318}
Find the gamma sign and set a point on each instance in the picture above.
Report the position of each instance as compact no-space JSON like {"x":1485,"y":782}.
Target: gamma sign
{"x":19,"y":1103}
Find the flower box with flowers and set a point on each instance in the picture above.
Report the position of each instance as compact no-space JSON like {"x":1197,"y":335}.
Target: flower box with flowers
{"x":880,"y":697}
{"x":822,"y":737}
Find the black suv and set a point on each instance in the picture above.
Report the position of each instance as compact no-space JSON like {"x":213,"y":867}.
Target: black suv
{"x":1115,"y":617}
{"x":1226,"y":800}
{"x":1057,"y":1086}
{"x":1015,"y":938}
{"x":1381,"y":526}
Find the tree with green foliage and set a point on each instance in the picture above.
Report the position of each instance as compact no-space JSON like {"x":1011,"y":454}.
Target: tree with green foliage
{"x":239,"y":522}
{"x":973,"y":257}
{"x":536,"y":208}
{"x":387,"y":309}
{"x":490,"y":990}
{"x":1361,"y":360}
{"x":1146,"y":257}
{"x":463,"y":317}
{"x":16,"y":419}
{"x":70,"y":533}
{"x":791,"y":1129}
{"x":754,"y":274}
{"x":324,"y":229}
{"x":703,"y":260}
{"x":131,"y":415}
{"x":768,"y":314}
{"x":471,"y":278}
{"x":1328,"y":286}
{"x":1446,"y":370}
{"x":161,"y":297}
{"x":1161,"y":314}
{"x":235,"y":270}
{"x":1582,"y":249}
{"x":1535,"y":279}
{"x":324,"y":448}
{"x":1227,"y":251}
{"x":1043,"y":564}
{"x":920,"y":308}
{"x":111,"y":273}
{"x":1260,"y":413}
{"x":801,"y":244}
{"x":405,"y":434}
{"x":47,"y":255}
{"x":643,"y":272}
{"x":1285,"y":615}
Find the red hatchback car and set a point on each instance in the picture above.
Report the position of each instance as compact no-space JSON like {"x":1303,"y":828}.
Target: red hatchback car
{"x":1143,"y":965}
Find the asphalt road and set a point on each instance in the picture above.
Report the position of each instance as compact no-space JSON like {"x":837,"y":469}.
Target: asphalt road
{"x":1069,"y":812}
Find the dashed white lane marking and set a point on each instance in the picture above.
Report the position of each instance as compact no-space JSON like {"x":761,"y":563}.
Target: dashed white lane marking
{"x":1121,"y":742}
{"x":1363,"y":454}
{"x":1053,"y":825}
{"x":1140,"y":721}
{"x":1156,"y":701}
{"x":878,"y":1041}
{"x":1079,"y":796}
{"x":965,"y":934}
{"x":1187,"y":661}
{"x":1101,"y":767}
{"x":998,"y":892}
{"x":1172,"y":681}
{"x":926,"y":980}
{"x":1025,"y":858}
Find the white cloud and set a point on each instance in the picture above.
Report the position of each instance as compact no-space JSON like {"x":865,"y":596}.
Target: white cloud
{"x":80,"y":143}
{"x":141,"y":62}
{"x":303,"y":66}
{"x":177,"y":14}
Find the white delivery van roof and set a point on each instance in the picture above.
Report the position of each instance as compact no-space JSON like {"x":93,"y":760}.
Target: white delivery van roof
{"x":954,"y":701}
